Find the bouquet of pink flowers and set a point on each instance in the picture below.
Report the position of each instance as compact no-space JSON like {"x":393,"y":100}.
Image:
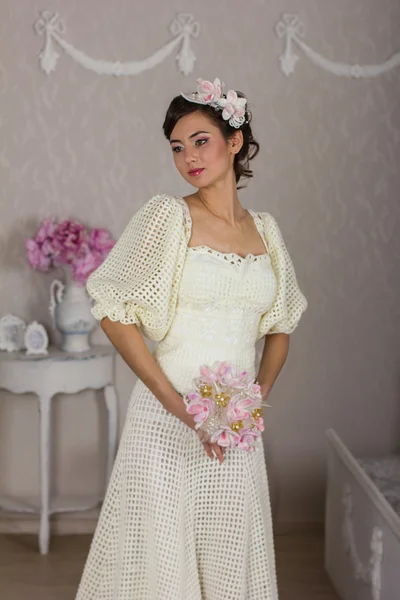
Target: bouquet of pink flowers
{"x":227,"y":405}
{"x":71,"y":244}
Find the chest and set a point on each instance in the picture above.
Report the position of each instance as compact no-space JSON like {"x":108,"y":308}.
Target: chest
{"x":226,"y":280}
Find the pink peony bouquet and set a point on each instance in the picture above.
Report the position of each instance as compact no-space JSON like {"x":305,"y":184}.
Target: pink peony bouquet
{"x":227,"y":405}
{"x":70,"y":244}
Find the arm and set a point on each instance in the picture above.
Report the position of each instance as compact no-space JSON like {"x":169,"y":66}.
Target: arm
{"x":276,"y":348}
{"x":130,"y":344}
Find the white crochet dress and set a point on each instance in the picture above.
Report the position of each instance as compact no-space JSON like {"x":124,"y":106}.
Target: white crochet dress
{"x":175,"y":524}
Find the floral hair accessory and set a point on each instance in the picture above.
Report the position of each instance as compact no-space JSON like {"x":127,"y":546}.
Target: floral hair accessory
{"x":233,"y":107}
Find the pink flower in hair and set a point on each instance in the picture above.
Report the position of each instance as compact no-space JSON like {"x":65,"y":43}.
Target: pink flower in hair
{"x":233,"y":106}
{"x":209,"y":92}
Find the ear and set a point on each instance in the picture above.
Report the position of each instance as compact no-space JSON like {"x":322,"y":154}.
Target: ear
{"x":236,"y":141}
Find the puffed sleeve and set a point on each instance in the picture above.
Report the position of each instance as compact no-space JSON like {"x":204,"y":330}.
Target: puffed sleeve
{"x":289,"y":303}
{"x":138,"y":282}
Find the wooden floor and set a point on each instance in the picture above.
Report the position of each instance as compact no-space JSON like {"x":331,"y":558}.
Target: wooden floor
{"x":25,"y":575}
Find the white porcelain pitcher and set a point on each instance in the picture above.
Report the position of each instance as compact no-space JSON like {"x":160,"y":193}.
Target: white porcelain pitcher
{"x":70,"y":311}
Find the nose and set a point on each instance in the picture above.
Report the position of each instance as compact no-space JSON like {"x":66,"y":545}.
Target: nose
{"x":190,"y":155}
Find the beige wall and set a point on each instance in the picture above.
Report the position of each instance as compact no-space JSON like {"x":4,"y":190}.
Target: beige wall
{"x":77,"y":144}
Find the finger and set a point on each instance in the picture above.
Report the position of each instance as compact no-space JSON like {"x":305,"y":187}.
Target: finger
{"x":207,"y":448}
{"x":201,"y":435}
{"x":218,"y":452}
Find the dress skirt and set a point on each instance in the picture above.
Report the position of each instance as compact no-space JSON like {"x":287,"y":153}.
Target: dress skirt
{"x":176,"y":524}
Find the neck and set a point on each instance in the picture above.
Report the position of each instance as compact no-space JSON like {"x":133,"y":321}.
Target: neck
{"x":222,"y":200}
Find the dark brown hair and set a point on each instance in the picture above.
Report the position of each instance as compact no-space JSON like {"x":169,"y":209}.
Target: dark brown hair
{"x":180,"y":107}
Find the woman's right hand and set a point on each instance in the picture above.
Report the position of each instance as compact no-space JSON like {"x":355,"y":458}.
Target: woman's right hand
{"x":213,"y":450}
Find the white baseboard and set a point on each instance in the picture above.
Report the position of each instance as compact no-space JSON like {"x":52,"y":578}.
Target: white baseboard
{"x":60,"y":524}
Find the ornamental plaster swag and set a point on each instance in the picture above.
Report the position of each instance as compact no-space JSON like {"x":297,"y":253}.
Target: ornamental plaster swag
{"x":292,"y":30}
{"x":182,"y":28}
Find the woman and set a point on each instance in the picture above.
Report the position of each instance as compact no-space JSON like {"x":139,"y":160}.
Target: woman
{"x":205,"y":278}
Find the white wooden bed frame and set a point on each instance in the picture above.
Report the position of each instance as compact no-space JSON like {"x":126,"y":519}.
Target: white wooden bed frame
{"x":362,"y":530}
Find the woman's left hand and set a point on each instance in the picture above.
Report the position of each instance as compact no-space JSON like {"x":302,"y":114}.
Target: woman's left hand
{"x":213,"y":450}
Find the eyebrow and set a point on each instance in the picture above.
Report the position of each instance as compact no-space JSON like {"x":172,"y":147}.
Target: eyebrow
{"x":190,"y":136}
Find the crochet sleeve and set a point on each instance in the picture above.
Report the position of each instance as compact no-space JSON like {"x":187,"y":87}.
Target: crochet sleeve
{"x":138,"y":281}
{"x":289,"y":303}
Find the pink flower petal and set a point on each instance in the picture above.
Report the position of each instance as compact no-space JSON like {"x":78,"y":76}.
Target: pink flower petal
{"x":231,"y":96}
{"x":227,"y":112}
{"x":206,"y":86}
{"x":239,"y":111}
{"x":241,"y":102}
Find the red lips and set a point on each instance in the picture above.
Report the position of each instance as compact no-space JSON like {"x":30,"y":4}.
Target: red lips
{"x":195,"y":172}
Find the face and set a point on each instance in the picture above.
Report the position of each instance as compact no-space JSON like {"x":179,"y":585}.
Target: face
{"x":201,"y":154}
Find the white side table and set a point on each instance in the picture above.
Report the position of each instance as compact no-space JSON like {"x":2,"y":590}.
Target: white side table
{"x":45,"y":376}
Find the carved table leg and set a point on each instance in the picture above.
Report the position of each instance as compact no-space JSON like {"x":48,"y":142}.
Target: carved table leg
{"x":45,"y":440}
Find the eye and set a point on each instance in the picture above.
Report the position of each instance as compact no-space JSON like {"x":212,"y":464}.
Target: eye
{"x":200,"y":142}
{"x":177,"y":149}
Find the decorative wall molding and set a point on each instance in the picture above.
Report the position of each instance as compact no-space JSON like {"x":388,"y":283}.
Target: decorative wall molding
{"x":369,"y":574}
{"x":292,"y":29}
{"x":183,"y":27}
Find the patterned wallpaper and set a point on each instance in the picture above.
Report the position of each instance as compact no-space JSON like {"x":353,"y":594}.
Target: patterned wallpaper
{"x":77,"y":144}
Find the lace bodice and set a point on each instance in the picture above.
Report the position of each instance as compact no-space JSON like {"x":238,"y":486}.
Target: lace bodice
{"x":144,"y":277}
{"x":220,"y":302}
